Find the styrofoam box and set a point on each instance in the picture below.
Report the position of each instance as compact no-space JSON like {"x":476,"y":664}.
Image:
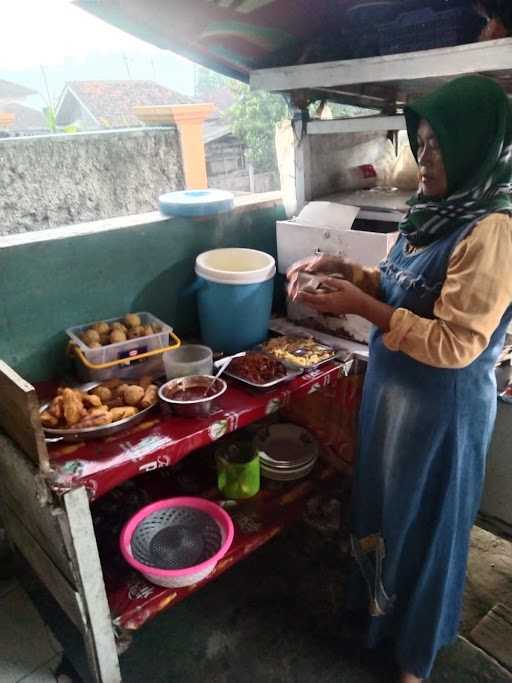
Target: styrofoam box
{"x":297,"y":240}
{"x":105,"y":354}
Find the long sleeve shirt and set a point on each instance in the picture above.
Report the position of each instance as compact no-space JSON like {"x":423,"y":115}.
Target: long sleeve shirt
{"x":474,"y":297}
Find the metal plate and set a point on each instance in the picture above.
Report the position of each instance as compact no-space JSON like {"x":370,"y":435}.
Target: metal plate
{"x":290,"y":374}
{"x":288,"y":363}
{"x":56,"y":435}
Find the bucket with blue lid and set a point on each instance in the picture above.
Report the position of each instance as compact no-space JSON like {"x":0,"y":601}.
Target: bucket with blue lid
{"x":234,"y":294}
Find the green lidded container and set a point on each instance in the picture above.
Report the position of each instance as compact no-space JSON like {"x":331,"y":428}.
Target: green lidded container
{"x":238,"y":469}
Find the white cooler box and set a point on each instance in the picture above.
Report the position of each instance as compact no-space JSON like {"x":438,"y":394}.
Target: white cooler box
{"x":324,"y":227}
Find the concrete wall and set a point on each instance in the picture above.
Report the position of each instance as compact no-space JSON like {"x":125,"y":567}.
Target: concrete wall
{"x":67,"y":276}
{"x":55,"y":180}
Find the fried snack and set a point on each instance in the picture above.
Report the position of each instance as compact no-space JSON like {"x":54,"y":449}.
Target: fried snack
{"x":111,"y":383}
{"x":303,"y":351}
{"x":133,"y":394}
{"x":117,"y":335}
{"x":122,"y":412}
{"x":105,"y":338}
{"x":119,"y":390}
{"x":102,"y":392}
{"x":95,"y":420}
{"x":48,"y":420}
{"x":73,"y":408}
{"x":115,"y":402}
{"x":56,"y":408}
{"x":90,"y":400}
{"x":148,"y":329}
{"x":150,"y":396}
{"x":90,"y":336}
{"x":101,"y":328}
{"x":132,"y":333}
{"x":132,"y":320}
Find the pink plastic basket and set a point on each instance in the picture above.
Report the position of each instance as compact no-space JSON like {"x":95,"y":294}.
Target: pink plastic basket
{"x":194,"y":520}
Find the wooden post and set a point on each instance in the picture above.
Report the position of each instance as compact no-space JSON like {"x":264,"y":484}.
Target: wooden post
{"x":189,"y":119}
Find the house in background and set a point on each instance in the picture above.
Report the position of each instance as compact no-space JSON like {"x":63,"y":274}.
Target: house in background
{"x":99,"y":105}
{"x":96,"y":105}
{"x":16,"y":118}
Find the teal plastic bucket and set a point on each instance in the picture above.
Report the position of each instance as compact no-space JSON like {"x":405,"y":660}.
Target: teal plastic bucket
{"x":235,"y":291}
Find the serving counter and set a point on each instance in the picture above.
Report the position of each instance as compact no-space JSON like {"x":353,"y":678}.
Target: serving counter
{"x":64,"y":505}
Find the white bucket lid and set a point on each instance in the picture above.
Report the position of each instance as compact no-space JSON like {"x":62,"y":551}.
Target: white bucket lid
{"x":234,"y":266}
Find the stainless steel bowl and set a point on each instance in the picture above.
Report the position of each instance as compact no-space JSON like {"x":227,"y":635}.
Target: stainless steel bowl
{"x":200,"y":407}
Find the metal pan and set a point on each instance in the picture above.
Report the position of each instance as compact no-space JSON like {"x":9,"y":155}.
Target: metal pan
{"x":288,"y":363}
{"x":57,"y":435}
{"x":290,"y":374}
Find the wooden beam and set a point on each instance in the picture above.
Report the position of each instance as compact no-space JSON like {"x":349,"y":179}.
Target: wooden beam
{"x":41,"y":563}
{"x":358,"y":124}
{"x":495,"y":55}
{"x":25,"y":491}
{"x":19,"y":415}
{"x":99,"y":635}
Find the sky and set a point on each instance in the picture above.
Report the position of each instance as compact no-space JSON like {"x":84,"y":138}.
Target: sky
{"x":71,"y":44}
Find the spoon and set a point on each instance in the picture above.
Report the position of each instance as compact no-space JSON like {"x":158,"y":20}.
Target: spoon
{"x":223,"y":364}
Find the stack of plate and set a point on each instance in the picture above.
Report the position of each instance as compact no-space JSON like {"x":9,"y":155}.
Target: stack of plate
{"x":286,"y":451}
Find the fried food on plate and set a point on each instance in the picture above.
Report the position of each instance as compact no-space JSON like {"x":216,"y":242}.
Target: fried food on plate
{"x":108,"y":402}
{"x":73,"y":408}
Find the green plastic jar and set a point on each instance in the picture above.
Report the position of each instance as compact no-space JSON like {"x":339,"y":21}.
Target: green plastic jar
{"x":238,"y":470}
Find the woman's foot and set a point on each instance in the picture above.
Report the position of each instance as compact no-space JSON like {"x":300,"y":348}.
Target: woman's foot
{"x":409,"y":678}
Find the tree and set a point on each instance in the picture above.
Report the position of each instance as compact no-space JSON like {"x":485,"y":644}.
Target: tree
{"x":253,"y":118}
{"x":252,"y":115}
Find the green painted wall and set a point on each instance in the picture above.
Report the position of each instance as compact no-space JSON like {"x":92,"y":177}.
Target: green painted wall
{"x":51,"y":285}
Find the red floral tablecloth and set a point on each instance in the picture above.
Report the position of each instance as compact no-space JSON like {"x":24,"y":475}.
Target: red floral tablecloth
{"x":163,"y":440}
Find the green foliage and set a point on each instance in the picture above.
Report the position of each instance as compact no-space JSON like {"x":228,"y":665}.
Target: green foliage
{"x":253,"y":118}
{"x":208,"y":81}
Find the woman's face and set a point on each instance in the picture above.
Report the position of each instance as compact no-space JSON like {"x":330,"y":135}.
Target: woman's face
{"x":433,"y":179}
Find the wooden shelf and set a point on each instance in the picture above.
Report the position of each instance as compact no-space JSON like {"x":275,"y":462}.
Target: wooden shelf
{"x":388,"y":82}
{"x":133,"y":600}
{"x":163,"y":440}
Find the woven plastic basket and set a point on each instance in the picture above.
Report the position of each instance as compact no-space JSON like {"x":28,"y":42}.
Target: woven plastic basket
{"x":177,"y":542}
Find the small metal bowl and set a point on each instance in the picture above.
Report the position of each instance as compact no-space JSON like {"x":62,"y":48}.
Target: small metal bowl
{"x":200,"y":407}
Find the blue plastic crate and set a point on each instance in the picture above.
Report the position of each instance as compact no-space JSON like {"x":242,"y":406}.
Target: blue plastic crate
{"x":425,"y":29}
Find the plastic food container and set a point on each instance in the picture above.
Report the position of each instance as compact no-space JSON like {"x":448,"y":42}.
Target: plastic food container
{"x":197,"y":407}
{"x":177,"y":542}
{"x":190,"y":359}
{"x":238,"y":469}
{"x":131,"y":358}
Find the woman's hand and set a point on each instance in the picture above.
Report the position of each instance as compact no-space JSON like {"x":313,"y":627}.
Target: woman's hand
{"x":323,"y":263}
{"x":345,"y":298}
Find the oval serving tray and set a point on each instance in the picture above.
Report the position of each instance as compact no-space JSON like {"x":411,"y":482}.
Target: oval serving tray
{"x":57,"y":435}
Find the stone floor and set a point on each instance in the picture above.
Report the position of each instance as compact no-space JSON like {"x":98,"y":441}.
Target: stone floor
{"x":242,"y":629}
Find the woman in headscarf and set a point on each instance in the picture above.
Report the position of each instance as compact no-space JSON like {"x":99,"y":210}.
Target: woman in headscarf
{"x":440,"y":304}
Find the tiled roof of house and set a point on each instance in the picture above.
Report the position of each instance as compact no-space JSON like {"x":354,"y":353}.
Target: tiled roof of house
{"x":111,"y":103}
{"x":9,"y":90}
{"x":26,"y":118}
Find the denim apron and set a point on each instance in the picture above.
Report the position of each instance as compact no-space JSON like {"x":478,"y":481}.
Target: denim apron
{"x":423,"y":437}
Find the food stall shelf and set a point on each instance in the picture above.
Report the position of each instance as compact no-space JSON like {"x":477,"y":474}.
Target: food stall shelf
{"x":132,"y":599}
{"x":163,"y":440}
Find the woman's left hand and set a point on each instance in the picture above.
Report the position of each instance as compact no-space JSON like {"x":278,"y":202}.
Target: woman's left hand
{"x":345,"y":298}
